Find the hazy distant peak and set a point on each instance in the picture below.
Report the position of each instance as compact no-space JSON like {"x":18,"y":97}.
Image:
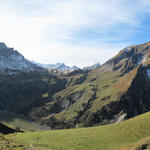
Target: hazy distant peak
{"x":94,"y":66}
{"x":58,"y":66}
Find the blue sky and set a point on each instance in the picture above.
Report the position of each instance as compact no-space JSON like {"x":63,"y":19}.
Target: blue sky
{"x":76,"y":32}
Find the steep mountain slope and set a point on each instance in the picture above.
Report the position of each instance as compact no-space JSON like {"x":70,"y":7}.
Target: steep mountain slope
{"x":20,"y":92}
{"x":128,"y":58}
{"x":116,"y":91}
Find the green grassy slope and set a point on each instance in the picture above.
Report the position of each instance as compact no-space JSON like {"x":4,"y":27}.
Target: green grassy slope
{"x":119,"y":136}
{"x":77,"y":105}
{"x":6,"y":144}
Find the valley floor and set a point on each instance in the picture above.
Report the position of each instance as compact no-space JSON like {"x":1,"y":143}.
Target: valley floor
{"x":120,"y":136}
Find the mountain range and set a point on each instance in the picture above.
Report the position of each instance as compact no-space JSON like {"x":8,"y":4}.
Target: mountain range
{"x":101,"y":94}
{"x":82,"y":97}
{"x":62,"y":67}
{"x":116,"y":91}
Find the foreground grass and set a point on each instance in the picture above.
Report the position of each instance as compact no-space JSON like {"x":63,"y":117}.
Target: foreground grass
{"x":109,"y":137}
{"x":6,"y":144}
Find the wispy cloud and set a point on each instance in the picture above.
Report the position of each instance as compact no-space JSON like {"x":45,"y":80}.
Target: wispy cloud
{"x":72,"y":31}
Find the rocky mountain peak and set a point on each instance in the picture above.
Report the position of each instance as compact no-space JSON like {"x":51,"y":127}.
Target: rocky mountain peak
{"x":12,"y":61}
{"x":129,"y":58}
{"x":6,"y":52}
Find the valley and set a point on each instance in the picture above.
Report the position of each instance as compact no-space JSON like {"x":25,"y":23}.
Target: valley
{"x":104,"y":108}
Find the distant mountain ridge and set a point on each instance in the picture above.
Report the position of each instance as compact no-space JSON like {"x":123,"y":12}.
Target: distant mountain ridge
{"x":12,"y":61}
{"x":63,"y":67}
{"x":94,"y":66}
{"x":59,"y":66}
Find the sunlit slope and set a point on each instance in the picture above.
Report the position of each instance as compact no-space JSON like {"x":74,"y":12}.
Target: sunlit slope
{"x":81,"y":104}
{"x":109,"y":137}
{"x":6,"y":144}
{"x":116,"y":91}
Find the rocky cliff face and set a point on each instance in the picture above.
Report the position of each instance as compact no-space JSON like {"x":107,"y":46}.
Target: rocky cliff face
{"x":128,"y":58}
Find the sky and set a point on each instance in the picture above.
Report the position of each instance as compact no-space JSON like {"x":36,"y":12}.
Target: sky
{"x":76,"y":32}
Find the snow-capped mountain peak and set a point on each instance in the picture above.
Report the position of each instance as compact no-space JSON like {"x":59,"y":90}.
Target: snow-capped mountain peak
{"x":57,"y":66}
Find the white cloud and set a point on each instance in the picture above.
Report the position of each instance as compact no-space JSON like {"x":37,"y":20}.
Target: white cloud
{"x":45,"y":31}
{"x":79,"y":55}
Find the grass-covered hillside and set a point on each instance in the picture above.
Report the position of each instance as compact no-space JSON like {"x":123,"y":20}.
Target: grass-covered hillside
{"x":126,"y":135}
{"x":85,"y":104}
{"x":117,"y":90}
